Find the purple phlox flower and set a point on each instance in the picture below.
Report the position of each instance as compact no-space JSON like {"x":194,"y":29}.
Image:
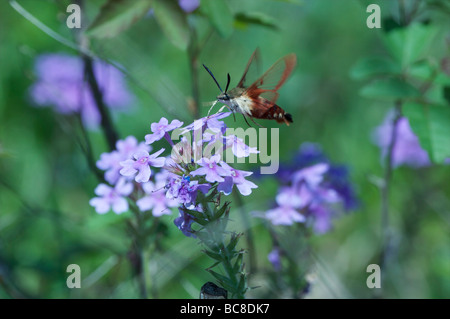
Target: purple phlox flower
{"x":308,"y":154}
{"x":275,"y":258}
{"x":112,"y":198}
{"x":284,"y":215}
{"x":312,"y":175}
{"x":110,"y":162}
{"x":189,"y":5}
{"x":237,"y":177}
{"x":289,"y":201}
{"x":160,"y":129}
{"x":156,"y":199}
{"x":211,"y":169}
{"x":407,"y":149}
{"x":184,"y":220}
{"x":314,"y":193}
{"x":238,"y":146}
{"x":185,"y":151}
{"x":184,"y":190}
{"x":321,"y":216}
{"x":130,"y":145}
{"x":212,"y":122}
{"x":141,"y":165}
{"x":338,"y":179}
{"x":60,"y":83}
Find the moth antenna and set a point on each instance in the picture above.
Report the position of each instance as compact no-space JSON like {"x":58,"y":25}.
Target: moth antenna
{"x":228,"y":82}
{"x":210,"y":73}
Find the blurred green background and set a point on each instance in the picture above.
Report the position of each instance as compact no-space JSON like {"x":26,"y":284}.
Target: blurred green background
{"x":46,"y":222}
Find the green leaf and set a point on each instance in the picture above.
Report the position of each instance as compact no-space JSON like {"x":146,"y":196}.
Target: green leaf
{"x":173,"y":22}
{"x":213,"y":255}
{"x":116,"y":16}
{"x":421,"y":70}
{"x":242,"y":286}
{"x":431,"y":124}
{"x":244,"y":19}
{"x":410,"y":44}
{"x":219,"y":15}
{"x":233,"y":241}
{"x":237,"y":267}
{"x":224,"y":209}
{"x":373,"y":66}
{"x":224,"y":281}
{"x":390,"y":89}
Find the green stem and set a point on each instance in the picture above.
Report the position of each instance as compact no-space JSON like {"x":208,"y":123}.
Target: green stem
{"x":111,"y":134}
{"x":249,"y":233}
{"x":139,"y":246}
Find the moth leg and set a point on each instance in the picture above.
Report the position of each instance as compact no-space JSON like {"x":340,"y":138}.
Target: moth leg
{"x":251,"y":118}
{"x":245,"y":118}
{"x":226,"y":106}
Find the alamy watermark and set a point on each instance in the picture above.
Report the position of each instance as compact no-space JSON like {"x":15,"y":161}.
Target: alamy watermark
{"x":231,"y":146}
{"x":374,"y":19}
{"x":74,"y":18}
{"x":374,"y":279}
{"x":74,"y":279}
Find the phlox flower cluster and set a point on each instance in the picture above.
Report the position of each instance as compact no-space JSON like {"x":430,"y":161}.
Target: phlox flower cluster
{"x":158,"y":182}
{"x":312,"y":191}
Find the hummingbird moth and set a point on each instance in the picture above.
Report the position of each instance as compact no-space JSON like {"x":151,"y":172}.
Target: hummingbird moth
{"x":258,"y":100}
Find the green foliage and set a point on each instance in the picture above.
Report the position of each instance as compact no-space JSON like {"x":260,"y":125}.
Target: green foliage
{"x":374,"y":66}
{"x":389,"y":89}
{"x":243,"y":19}
{"x":431,"y":123}
{"x":172,"y":21}
{"x":410,"y":44}
{"x":413,"y":80}
{"x":116,"y":16}
{"x":219,"y":15}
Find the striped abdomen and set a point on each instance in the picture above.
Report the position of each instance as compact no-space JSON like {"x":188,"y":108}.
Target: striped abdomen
{"x":266,"y":109}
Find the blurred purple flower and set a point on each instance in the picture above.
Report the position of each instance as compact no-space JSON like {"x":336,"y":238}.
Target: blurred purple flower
{"x":337,"y":179}
{"x":407,"y":149}
{"x":156,"y":199}
{"x":61,"y":84}
{"x":141,"y":165}
{"x":275,"y":258}
{"x":110,"y":162}
{"x":314,"y":189}
{"x":312,"y":175}
{"x":289,"y":200}
{"x":189,"y":5}
{"x":307,"y":155}
{"x":112,"y":198}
